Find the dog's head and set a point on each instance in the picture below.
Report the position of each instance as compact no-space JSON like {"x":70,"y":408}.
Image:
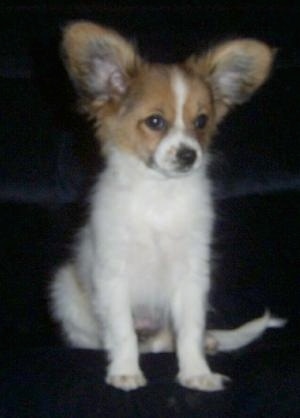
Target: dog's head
{"x":165,"y":115}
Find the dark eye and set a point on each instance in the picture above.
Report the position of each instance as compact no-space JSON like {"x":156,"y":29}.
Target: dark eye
{"x":200,"y":121}
{"x":156,"y":122}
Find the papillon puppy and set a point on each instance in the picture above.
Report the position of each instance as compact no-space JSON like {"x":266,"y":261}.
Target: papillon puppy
{"x":140,"y":273}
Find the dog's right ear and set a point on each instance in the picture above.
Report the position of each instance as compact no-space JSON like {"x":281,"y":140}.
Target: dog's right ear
{"x":99,"y":61}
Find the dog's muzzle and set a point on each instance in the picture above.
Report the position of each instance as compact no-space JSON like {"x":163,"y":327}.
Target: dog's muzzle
{"x":176,"y":156}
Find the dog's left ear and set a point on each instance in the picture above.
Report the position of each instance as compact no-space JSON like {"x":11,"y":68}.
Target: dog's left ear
{"x":234,"y":70}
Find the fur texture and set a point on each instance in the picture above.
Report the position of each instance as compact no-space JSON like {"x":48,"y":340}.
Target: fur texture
{"x":139,"y":277}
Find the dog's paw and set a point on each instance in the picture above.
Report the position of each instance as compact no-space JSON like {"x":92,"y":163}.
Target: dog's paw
{"x":127,"y":382}
{"x":210,"y":382}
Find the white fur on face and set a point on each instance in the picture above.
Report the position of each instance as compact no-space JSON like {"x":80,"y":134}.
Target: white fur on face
{"x":166,"y":155}
{"x":180,"y":90}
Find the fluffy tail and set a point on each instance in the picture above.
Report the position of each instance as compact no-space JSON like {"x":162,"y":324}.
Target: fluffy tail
{"x":239,"y":337}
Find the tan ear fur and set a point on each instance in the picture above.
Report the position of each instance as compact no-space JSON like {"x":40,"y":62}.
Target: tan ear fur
{"x":99,"y":61}
{"x":234,"y":70}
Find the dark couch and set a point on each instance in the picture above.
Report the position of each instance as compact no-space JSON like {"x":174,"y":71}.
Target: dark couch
{"x":47,"y":161}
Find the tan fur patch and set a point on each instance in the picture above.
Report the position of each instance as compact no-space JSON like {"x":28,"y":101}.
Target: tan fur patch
{"x":150,"y":94}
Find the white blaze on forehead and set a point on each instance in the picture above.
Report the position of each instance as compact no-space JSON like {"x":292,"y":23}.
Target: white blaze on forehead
{"x":180,"y":90}
{"x":166,"y":158}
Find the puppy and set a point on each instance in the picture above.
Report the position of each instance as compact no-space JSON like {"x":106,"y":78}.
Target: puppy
{"x":140,"y":272}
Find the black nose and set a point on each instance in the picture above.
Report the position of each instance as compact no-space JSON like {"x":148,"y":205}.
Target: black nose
{"x":186,"y":156}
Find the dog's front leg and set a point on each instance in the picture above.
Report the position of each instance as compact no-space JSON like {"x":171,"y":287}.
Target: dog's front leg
{"x":120,"y":340}
{"x":189,"y":320}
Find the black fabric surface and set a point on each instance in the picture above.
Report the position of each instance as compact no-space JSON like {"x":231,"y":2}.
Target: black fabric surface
{"x":69,"y":383}
{"x":47,"y":163}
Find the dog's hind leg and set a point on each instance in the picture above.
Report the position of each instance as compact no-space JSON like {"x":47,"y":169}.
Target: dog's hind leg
{"x":161,"y":342}
{"x":70,"y":307}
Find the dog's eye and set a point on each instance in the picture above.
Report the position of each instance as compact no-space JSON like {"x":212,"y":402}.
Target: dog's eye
{"x":201,"y":121}
{"x":156,"y":122}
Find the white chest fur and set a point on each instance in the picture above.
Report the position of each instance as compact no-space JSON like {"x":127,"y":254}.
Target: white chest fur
{"x":146,"y":231}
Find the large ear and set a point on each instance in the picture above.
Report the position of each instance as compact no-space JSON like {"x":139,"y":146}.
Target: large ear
{"x":235,"y":70}
{"x":99,"y":61}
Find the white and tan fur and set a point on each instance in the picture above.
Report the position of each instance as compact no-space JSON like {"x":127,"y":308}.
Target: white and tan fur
{"x":141,"y":264}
